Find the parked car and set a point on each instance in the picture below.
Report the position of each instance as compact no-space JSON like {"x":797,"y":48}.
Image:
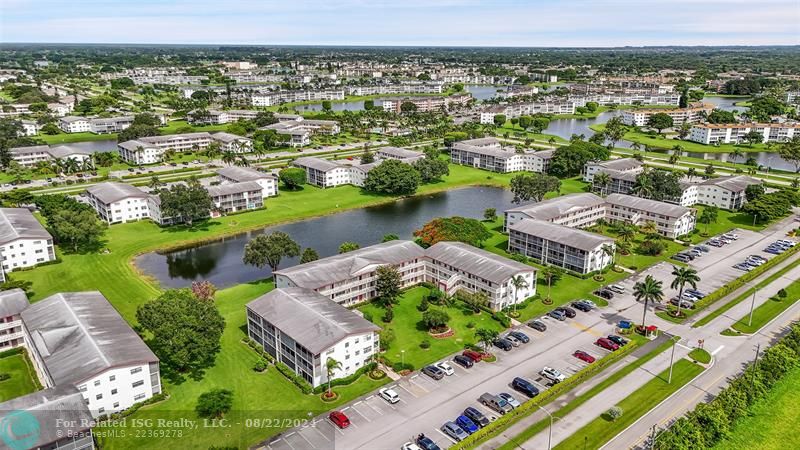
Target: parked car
{"x":514,"y":341}
{"x":466,"y":424}
{"x":433,"y":372}
{"x":684,"y":303}
{"x":538,"y":325}
{"x":522,"y":337}
{"x":503,"y":344}
{"x":494,"y":403}
{"x":390,"y":395}
{"x":552,"y":374}
{"x":616,"y":288}
{"x":525,"y":386}
{"x":583,"y":356}
{"x":591,"y":304}
{"x":454,"y":431}
{"x":426,"y":443}
{"x":568,"y":311}
{"x":464,"y":361}
{"x":410,"y":446}
{"x":557,"y":314}
{"x":604,"y":293}
{"x":606,"y":344}
{"x":696,"y":293}
{"x":476,"y":416}
{"x":703,"y":248}
{"x":580,"y":306}
{"x":619,"y":340}
{"x":510,"y":399}
{"x":445,"y":367}
{"x":473,"y":355}
{"x":339,"y":419}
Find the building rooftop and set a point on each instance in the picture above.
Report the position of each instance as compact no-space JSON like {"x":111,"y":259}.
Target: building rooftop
{"x":19,"y":223}
{"x":13,"y":302}
{"x":59,"y":411}
{"x":559,"y":206}
{"x":80,"y":335}
{"x":228,"y":137}
{"x":570,"y":237}
{"x":30,"y":149}
{"x":645,"y":204}
{"x":475,"y":261}
{"x":482,"y":142}
{"x":398,"y":152}
{"x":311,"y":319}
{"x":70,"y":119}
{"x":62,"y":151}
{"x":733,"y":183}
{"x":241,"y":174}
{"x":323,"y":165}
{"x":334,"y":268}
{"x":496,"y":151}
{"x":110,"y":191}
{"x":233,"y":188}
{"x":621,"y":164}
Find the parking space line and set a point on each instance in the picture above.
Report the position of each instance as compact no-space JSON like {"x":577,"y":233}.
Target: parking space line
{"x":360,"y":414}
{"x":445,"y":435}
{"x":417,"y":384}
{"x":320,"y":433}
{"x":374,"y":408}
{"x":288,"y":443}
{"x":336,"y":427}
{"x":309,"y":442}
{"x":406,"y":389}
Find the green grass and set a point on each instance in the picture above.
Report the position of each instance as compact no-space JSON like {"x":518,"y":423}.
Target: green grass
{"x":599,"y":431}
{"x":726,"y":221}
{"x":409,"y":330}
{"x":771,"y":423}
{"x":700,"y":356}
{"x":770,"y":309}
{"x":661,"y":141}
{"x":22,"y":376}
{"x":542,"y":425}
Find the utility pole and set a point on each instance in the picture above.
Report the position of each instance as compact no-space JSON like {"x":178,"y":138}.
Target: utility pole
{"x":653,"y":438}
{"x":550,"y":432}
{"x":752,"y":306}
{"x":671,"y":360}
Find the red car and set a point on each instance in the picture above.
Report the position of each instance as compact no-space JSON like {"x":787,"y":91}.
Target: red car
{"x":339,"y":419}
{"x":473,"y":355}
{"x":583,"y":356}
{"x":607,"y":344}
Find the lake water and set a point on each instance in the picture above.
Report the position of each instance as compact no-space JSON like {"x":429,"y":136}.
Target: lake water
{"x":94,"y":146}
{"x":221,"y":262}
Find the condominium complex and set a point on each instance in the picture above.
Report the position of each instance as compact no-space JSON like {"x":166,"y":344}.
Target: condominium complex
{"x":527,"y":109}
{"x":571,"y":210}
{"x":615,"y":168}
{"x":670,"y":220}
{"x":32,"y":155}
{"x":303,"y":329}
{"x":23,"y":241}
{"x":350,"y":278}
{"x":150,"y":149}
{"x":276,"y":98}
{"x":97,"y":125}
{"x":325,"y":173}
{"x":12,"y":303}
{"x":490,"y":154}
{"x":219,"y":117}
{"x":518,"y":91}
{"x":78,"y":339}
{"x":692,"y":114}
{"x":569,"y":248}
{"x":118,"y":202}
{"x":735,"y":133}
{"x":427,"y":104}
{"x":233,"y":174}
{"x":300,"y":130}
{"x":401,"y":88}
{"x":234,"y":197}
{"x":724,"y":192}
{"x":402,"y":154}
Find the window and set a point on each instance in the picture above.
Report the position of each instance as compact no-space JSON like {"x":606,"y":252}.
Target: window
{"x":98,"y":396}
{"x":97,"y":382}
{"x":116,"y":404}
{"x":136,"y":370}
{"x":113,"y":392}
{"x":138,"y":397}
{"x":138,"y":383}
{"x":112,"y":378}
{"x":101,"y":410}
{"x":82,"y":388}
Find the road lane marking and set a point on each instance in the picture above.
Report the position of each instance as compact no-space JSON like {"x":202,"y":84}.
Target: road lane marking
{"x":309,"y":442}
{"x":719,"y":349}
{"x":446,"y":435}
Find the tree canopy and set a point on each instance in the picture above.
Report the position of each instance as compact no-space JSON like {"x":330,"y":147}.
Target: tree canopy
{"x":270,"y":249}
{"x":569,"y":160}
{"x":185,"y":202}
{"x":393,"y":177}
{"x":460,"y":229}
{"x":533,"y":186}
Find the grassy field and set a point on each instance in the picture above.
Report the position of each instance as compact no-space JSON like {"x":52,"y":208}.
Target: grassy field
{"x":770,"y":424}
{"x":688,"y":146}
{"x":22,"y":376}
{"x":410,"y":332}
{"x":599,"y":431}
{"x":768,"y":310}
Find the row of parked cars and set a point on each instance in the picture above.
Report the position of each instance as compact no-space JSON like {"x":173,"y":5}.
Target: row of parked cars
{"x":780,"y":246}
{"x":609,"y":291}
{"x":568,"y":312}
{"x":688,"y":298}
{"x":750,"y":263}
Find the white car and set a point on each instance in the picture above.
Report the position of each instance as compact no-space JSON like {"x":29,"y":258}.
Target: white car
{"x":446,"y":368}
{"x":510,"y":399}
{"x":410,"y":446}
{"x":514,"y":341}
{"x":553,"y":375}
{"x":389,"y":395}
{"x":617,"y":288}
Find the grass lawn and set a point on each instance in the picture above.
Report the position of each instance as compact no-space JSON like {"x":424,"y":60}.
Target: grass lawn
{"x":688,"y":146}
{"x":597,"y":432}
{"x":22,"y":376}
{"x":518,"y":132}
{"x":768,"y":310}
{"x":726,"y":221}
{"x":409,"y":330}
{"x":700,"y":356}
{"x":770,"y":424}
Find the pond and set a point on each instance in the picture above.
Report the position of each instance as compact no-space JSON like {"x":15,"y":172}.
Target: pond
{"x":94,"y":146}
{"x":221,"y":262}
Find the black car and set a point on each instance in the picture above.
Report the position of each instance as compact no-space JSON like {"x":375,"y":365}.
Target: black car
{"x":569,"y":312}
{"x":619,"y":340}
{"x":463,"y":361}
{"x":504,"y":344}
{"x":604,"y":293}
{"x":522,"y":337}
{"x":581,"y":306}
{"x":538,"y":325}
{"x":476,"y":416}
{"x":525,"y":386}
{"x":426,"y":443}
{"x":433,"y":372}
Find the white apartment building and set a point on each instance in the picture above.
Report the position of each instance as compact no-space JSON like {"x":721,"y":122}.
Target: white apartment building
{"x":527,"y":109}
{"x":12,"y":303}
{"x":727,"y":133}
{"x":219,"y":117}
{"x":401,"y":88}
{"x":671,"y":220}
{"x":573,"y":210}
{"x":300,"y":130}
{"x":74,"y":124}
{"x":111,"y":124}
{"x":78,"y":339}
{"x":234,"y":197}
{"x":489,"y":154}
{"x":518,"y":91}
{"x":427,"y":104}
{"x":551,"y":244}
{"x":402,"y":154}
{"x":23,"y":241}
{"x":30,"y":127}
{"x":276,"y":98}
{"x":324,"y":173}
{"x":150,"y":149}
{"x":620,"y":165}
{"x":229,"y":142}
{"x":233,"y":174}
{"x":118,"y":202}
{"x":693,"y":114}
{"x":723,"y":192}
{"x":303,"y":329}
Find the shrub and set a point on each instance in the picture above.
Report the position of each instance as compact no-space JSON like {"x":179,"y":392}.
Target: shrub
{"x":425,"y":344}
{"x":614,"y":413}
{"x":260,"y":366}
{"x":293,"y":377}
{"x":423,"y":305}
{"x":470,"y":325}
{"x":214,"y":403}
{"x":368,"y":316}
{"x":782,"y":294}
{"x":388,"y":316}
{"x":4,"y":376}
{"x":502,"y":318}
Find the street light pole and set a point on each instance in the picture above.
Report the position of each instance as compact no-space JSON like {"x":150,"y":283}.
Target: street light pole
{"x":403,"y":358}
{"x":550,"y":432}
{"x":671,"y":360}
{"x":752,"y":306}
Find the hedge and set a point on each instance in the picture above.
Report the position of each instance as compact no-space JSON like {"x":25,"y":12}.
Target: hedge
{"x":11,"y":352}
{"x":346,"y":380}
{"x":531,"y":406}
{"x":298,"y":381}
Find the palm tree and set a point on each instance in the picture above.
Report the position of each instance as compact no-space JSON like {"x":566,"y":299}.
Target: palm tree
{"x":636,"y":146}
{"x":242,"y":161}
{"x":691,"y":173}
{"x":648,"y":290}
{"x":626,"y":232}
{"x":486,"y":336}
{"x":709,"y":216}
{"x":683,"y":276}
{"x":603,"y":180}
{"x":649,"y":228}
{"x":228,"y":157}
{"x":737,"y":153}
{"x":331,"y":366}
{"x":623,"y":247}
{"x":518,"y":282}
{"x":552,"y":274}
{"x":551,"y":141}
{"x":643,"y":187}
{"x":608,"y":250}
{"x":154,"y":183}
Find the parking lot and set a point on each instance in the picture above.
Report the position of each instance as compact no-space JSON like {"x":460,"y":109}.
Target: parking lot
{"x":426,"y":404}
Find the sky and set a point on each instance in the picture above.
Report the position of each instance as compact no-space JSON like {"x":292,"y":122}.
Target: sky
{"x":509,"y":23}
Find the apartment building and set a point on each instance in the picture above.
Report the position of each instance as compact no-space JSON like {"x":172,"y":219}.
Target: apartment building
{"x":490,"y":154}
{"x":74,"y":124}
{"x":111,"y":124}
{"x":233,"y":197}
{"x":30,"y":127}
{"x":724,"y":192}
{"x":693,"y":114}
{"x":402,"y":154}
{"x":427,"y":104}
{"x":735,"y":133}
{"x":569,"y":248}
{"x":573,"y":210}
{"x":78,"y":339}
{"x":630,"y":166}
{"x":23,"y":241}
{"x":61,"y":417}
{"x":527,"y":109}
{"x":671,"y":220}
{"x":300,"y":130}
{"x":12,"y":303}
{"x":303,"y":329}
{"x":518,"y":91}
{"x":220,"y":117}
{"x":324,"y":173}
{"x":229,"y":142}
{"x":233,"y":174}
{"x":150,"y":149}
{"x":276,"y":98}
{"x":401,"y":88}
{"x":118,"y":202}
